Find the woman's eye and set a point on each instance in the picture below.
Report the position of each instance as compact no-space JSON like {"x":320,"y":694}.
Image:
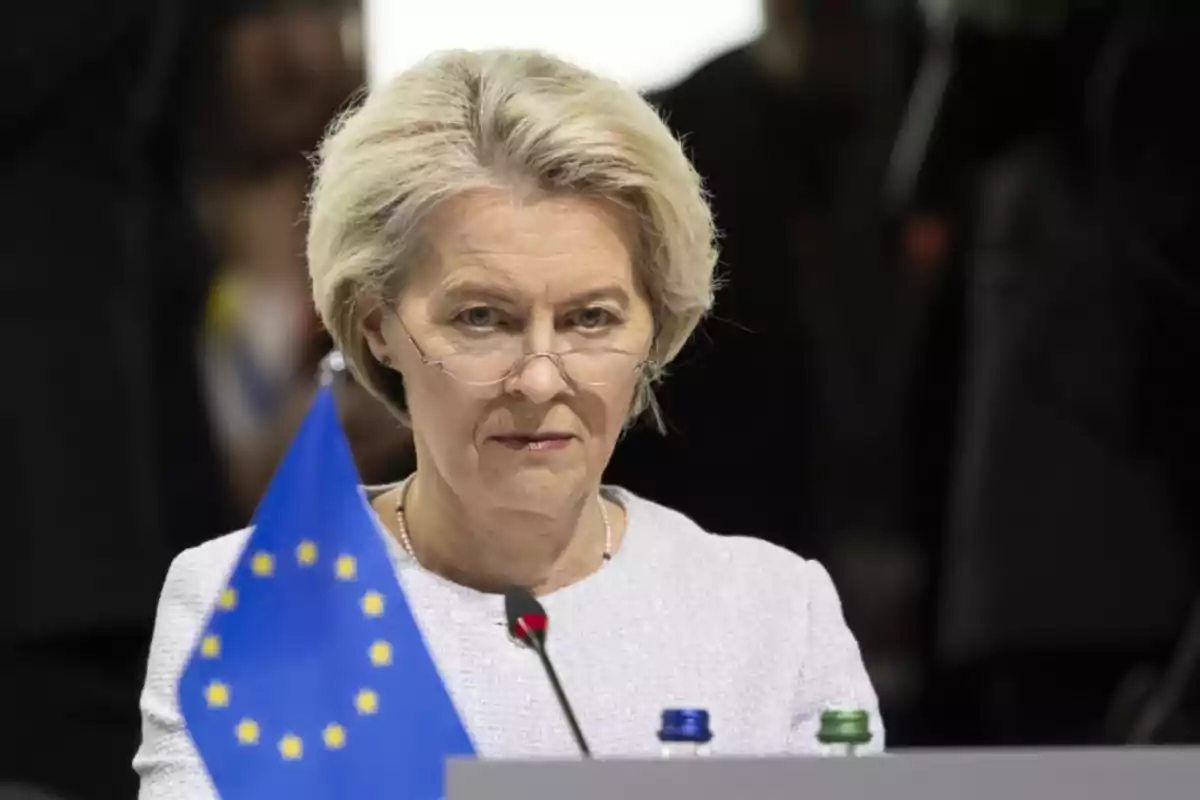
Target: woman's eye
{"x":593,"y":318}
{"x":479,"y":317}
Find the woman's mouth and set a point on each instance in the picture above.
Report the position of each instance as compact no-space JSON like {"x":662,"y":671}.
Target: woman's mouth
{"x":535,"y":443}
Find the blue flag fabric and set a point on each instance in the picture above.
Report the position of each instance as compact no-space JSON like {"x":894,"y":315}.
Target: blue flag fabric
{"x":311,"y":678}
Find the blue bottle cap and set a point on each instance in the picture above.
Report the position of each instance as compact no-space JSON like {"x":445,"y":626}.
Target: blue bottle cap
{"x":685,"y":725}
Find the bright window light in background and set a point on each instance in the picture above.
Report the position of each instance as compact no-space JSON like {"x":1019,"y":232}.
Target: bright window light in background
{"x":645,"y":44}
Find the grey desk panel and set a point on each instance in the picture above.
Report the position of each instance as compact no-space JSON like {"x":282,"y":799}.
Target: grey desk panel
{"x":1085,"y":774}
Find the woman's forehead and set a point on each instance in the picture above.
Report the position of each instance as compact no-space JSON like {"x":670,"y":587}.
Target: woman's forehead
{"x":549,"y":246}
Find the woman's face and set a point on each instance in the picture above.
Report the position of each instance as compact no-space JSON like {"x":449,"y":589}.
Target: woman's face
{"x":505,"y":282}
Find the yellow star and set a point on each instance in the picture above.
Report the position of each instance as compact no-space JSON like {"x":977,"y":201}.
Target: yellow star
{"x":262,"y":564}
{"x":210,"y":646}
{"x":228,"y":599}
{"x":380,"y":653}
{"x":372,"y":604}
{"x":306,"y":553}
{"x":290,"y":747}
{"x":247,"y":732}
{"x":346,"y":568}
{"x":366,"y":702}
{"x":334,"y":736}
{"x":217,"y":695}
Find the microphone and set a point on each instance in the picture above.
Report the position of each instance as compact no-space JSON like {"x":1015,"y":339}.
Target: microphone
{"x":527,"y":624}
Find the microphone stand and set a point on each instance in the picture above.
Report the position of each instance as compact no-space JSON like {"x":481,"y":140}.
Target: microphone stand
{"x":535,"y":641}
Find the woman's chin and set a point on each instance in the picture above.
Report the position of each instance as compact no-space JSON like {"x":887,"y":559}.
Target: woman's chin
{"x":536,"y":487}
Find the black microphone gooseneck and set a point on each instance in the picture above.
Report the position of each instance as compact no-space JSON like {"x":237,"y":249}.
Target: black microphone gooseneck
{"x":527,"y":623}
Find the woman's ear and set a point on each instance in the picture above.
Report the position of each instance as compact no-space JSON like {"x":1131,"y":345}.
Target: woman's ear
{"x":373,"y":329}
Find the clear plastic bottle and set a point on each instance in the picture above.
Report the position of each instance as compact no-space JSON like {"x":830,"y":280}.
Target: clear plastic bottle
{"x":843,"y":731}
{"x":685,"y":733}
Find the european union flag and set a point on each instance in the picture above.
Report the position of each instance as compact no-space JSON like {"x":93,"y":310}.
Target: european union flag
{"x":311,"y":678}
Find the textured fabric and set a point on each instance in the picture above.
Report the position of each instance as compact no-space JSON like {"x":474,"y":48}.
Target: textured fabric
{"x":678,"y":618}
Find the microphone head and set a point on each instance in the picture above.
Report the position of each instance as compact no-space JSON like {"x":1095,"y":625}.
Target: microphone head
{"x":527,"y":620}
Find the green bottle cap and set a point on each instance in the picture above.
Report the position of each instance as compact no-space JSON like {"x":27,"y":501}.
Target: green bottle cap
{"x":844,"y":726}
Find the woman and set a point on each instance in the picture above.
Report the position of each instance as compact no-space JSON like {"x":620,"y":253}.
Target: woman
{"x":508,"y":250}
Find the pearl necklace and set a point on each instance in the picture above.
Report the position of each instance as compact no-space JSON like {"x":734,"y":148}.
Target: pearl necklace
{"x":406,"y":542}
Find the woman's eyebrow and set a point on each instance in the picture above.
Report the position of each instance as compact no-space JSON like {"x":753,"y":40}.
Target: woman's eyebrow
{"x":455,"y":288}
{"x":474,"y":287}
{"x":613,"y":292}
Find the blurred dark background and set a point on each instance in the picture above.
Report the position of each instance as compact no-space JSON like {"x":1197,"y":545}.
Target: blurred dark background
{"x":953,"y":359}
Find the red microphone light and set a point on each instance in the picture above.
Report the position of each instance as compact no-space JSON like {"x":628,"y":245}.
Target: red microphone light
{"x":527,"y":619}
{"x":528,"y":627}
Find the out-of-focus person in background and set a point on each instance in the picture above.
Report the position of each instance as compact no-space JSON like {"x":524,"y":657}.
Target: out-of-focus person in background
{"x":112,"y":467}
{"x":507,"y":248}
{"x":153,"y":168}
{"x":1068,"y":549}
{"x":791,"y":134}
{"x":284,"y":69}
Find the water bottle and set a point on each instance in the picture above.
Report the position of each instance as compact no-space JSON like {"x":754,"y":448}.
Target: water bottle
{"x":685,"y":733}
{"x":843,"y":731}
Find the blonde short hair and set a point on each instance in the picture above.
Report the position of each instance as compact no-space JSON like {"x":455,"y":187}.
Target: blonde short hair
{"x":462,"y":121}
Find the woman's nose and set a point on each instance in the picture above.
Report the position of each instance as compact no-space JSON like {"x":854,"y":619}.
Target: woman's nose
{"x":539,"y":378}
